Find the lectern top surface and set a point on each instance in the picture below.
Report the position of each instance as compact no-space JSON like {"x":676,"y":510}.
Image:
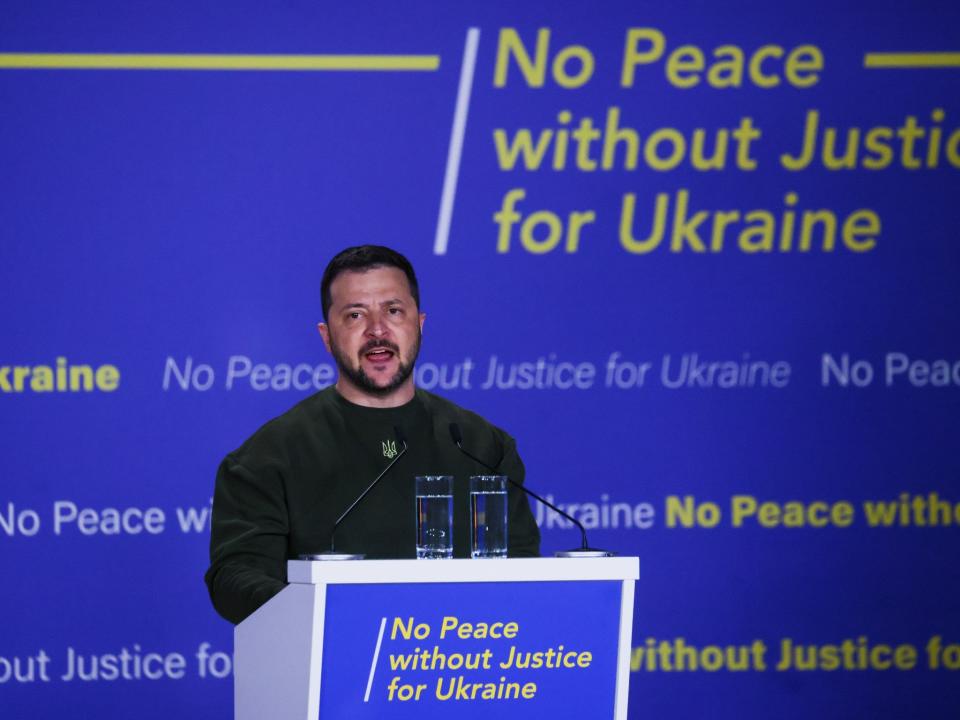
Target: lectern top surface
{"x":418,"y":571}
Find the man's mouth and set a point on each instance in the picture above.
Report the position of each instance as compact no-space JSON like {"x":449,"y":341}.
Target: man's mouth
{"x":379,"y":354}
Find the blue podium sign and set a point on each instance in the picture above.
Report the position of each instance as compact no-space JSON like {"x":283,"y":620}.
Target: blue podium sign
{"x":462,"y":649}
{"x":398,"y":639}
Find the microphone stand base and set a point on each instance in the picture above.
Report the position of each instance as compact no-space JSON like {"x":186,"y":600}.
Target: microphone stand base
{"x":332,"y":555}
{"x":584,"y":553}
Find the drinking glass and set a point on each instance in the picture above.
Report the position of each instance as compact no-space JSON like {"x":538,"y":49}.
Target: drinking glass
{"x":434,"y":516}
{"x":488,"y":516}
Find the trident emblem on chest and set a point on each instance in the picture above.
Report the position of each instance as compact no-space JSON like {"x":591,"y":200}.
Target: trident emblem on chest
{"x":389,"y":449}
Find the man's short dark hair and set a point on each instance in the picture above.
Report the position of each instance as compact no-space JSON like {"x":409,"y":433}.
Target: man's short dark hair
{"x":360,"y":259}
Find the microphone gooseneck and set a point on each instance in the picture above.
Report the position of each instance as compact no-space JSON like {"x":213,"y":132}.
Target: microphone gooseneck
{"x":398,"y":433}
{"x":584,"y":551}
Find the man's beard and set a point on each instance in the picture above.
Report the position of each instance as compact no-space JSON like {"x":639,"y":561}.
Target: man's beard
{"x":363,"y":381}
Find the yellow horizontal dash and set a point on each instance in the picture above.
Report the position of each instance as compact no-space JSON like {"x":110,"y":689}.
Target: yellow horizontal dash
{"x":129,"y":61}
{"x":912,"y":60}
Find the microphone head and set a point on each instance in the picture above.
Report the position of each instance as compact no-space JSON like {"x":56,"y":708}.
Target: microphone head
{"x":400,"y":436}
{"x":455,"y":434}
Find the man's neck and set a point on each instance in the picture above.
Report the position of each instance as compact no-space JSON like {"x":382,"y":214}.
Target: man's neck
{"x":351,"y":393}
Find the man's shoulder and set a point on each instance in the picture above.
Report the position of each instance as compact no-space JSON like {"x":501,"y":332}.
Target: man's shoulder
{"x":281,"y":431}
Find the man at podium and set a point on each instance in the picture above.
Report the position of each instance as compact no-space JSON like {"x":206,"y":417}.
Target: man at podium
{"x":278,"y":495}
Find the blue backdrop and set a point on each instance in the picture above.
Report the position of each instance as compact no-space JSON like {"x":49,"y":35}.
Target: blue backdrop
{"x":690,"y":323}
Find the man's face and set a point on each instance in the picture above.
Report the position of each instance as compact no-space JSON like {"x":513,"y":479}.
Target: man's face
{"x":373,"y":331}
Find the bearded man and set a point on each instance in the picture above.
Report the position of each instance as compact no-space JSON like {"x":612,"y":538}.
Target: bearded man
{"x":278,"y":495}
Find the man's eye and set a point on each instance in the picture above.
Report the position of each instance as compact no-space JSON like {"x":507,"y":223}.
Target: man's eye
{"x":395,"y":311}
{"x":353,"y":315}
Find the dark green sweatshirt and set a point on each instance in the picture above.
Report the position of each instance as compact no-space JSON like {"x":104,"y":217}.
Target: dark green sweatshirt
{"x":279,"y":494}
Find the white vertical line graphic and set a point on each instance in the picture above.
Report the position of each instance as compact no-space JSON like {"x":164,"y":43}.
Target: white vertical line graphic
{"x":456,"y":141}
{"x":373,"y":665}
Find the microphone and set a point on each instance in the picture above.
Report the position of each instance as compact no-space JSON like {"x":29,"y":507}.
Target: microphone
{"x":332,"y":554}
{"x":583,"y":551}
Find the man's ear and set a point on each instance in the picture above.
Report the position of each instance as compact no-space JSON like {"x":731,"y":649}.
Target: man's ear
{"x":324,"y":331}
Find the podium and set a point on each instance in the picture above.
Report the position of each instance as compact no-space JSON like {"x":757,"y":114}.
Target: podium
{"x":395,"y":639}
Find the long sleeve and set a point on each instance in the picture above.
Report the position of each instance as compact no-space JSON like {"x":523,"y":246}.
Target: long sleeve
{"x":248,"y":539}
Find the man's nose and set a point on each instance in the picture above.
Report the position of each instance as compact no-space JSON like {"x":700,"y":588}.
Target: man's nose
{"x":376,"y":327}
